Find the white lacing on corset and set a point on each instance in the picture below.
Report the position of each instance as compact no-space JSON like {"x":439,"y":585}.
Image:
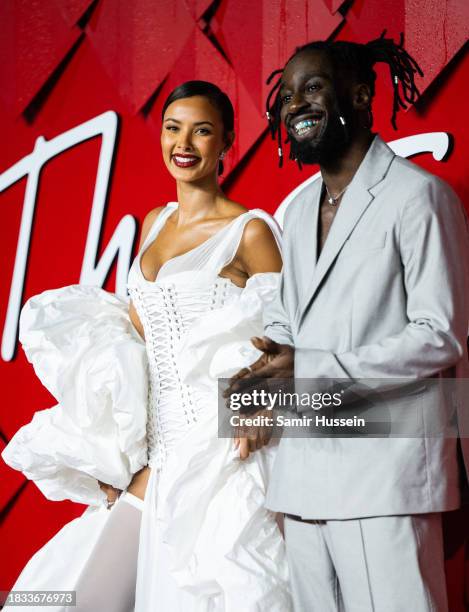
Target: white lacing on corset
{"x":167,"y":311}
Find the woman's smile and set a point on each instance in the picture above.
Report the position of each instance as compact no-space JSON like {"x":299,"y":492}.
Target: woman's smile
{"x":182,"y":160}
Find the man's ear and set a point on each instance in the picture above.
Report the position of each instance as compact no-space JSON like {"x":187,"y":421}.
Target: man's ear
{"x":361,"y":96}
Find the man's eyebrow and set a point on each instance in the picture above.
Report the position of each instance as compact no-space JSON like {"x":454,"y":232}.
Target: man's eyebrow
{"x":312,"y":75}
{"x":197,"y":123}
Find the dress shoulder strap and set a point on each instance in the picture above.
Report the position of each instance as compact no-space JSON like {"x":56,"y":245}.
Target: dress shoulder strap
{"x":227,"y":248}
{"x":158,"y":223}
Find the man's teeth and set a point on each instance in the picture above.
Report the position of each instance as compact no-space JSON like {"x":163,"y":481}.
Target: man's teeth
{"x":303,"y":126}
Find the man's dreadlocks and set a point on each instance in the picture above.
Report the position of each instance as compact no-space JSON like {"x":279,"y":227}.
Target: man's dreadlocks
{"x":359,"y":60}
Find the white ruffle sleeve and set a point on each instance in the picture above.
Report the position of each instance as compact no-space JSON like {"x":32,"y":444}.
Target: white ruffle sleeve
{"x":86,"y":352}
{"x":218,"y":344}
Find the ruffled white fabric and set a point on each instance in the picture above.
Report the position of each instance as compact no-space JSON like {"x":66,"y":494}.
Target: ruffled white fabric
{"x":218,"y":345}
{"x":213,"y":496}
{"x":85,"y":351}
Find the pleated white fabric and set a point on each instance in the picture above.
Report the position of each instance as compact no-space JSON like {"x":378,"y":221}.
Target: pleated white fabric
{"x":206,"y":541}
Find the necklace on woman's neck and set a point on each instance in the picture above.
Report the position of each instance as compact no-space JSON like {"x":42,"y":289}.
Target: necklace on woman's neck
{"x":334,"y":199}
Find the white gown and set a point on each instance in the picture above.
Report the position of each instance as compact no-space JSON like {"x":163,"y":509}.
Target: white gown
{"x":206,"y":541}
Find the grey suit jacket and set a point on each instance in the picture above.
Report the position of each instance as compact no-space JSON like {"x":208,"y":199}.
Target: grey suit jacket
{"x":387,"y":298}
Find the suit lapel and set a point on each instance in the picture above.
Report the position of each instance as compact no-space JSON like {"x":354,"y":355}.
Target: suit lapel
{"x":308,"y":237}
{"x":355,"y":201}
{"x":306,"y":240}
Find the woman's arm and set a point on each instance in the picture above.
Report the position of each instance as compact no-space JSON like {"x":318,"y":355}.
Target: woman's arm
{"x":258,"y":250}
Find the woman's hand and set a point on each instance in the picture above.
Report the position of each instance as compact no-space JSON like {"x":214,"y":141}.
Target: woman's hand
{"x":111,"y":492}
{"x":249,"y":438}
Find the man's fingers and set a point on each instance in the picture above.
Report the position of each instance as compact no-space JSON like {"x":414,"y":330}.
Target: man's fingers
{"x":258,"y":343}
{"x":243,"y":374}
{"x":251,"y":382}
{"x":242,"y":379}
{"x":241,"y":384}
{"x":272,"y":364}
{"x":256,"y":365}
{"x":265,"y":344}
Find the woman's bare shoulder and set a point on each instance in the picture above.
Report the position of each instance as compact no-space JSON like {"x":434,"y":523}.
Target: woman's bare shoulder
{"x":258,"y":249}
{"x":256,"y":229}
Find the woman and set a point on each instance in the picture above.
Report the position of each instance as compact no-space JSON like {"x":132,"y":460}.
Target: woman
{"x":190,"y":529}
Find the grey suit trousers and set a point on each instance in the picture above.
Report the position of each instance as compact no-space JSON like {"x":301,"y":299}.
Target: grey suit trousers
{"x":382,"y":564}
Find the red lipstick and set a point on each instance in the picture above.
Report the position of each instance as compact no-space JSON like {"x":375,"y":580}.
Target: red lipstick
{"x":183,"y":160}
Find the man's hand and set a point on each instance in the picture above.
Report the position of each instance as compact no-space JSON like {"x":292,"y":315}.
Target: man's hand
{"x":277,"y":361}
{"x":249,"y":438}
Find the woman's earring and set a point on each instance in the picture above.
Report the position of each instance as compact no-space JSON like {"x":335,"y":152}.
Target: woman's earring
{"x":220,"y":163}
{"x":342,"y":120}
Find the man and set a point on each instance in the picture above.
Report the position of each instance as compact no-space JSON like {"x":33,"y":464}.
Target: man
{"x":375,"y":285}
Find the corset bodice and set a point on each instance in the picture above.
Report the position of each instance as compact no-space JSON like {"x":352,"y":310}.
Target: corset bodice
{"x":167,"y":309}
{"x":185,"y":288}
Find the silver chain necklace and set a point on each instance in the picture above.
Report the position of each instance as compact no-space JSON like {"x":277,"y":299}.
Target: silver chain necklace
{"x":334,"y":199}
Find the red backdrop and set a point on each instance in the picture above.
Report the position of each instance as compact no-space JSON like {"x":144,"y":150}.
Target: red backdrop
{"x":65,"y":62}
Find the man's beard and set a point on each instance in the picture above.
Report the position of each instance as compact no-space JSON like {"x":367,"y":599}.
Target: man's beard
{"x":327,"y":147}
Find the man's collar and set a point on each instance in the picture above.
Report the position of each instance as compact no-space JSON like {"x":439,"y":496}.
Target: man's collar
{"x":375,"y":164}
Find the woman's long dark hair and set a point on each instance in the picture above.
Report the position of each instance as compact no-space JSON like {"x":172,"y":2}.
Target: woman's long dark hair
{"x":214,"y":94}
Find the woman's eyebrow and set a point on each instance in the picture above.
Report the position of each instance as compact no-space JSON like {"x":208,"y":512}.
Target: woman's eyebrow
{"x":197,"y":122}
